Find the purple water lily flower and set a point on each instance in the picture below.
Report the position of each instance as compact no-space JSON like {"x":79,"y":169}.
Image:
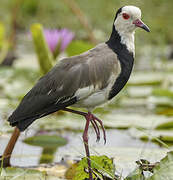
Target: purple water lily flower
{"x":54,"y":37}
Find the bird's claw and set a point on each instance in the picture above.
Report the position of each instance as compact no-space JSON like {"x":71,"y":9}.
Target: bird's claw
{"x":94,"y":120}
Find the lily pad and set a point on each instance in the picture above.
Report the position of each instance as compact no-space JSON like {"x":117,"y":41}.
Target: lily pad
{"x":165,"y":111}
{"x":124,"y":158}
{"x":35,"y":173}
{"x":101,"y":166}
{"x":21,"y":173}
{"x":133,"y":120}
{"x":159,"y":136}
{"x":49,"y":143}
{"x":157,"y":171}
{"x":164,"y":170}
{"x":160,"y":101}
{"x":46,"y":141}
{"x":146,"y":78}
{"x":139,"y":92}
{"x":135,"y":175}
{"x":110,"y":120}
{"x":163,"y":92}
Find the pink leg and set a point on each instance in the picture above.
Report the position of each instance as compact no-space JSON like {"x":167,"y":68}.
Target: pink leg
{"x":85,"y":140}
{"x":94,"y":120}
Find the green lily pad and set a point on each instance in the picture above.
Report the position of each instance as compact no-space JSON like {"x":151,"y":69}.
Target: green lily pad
{"x":158,"y":171}
{"x":166,"y":125}
{"x":11,"y":173}
{"x":139,"y":92}
{"x":124,"y":157}
{"x":36,"y":173}
{"x":133,"y":120}
{"x":163,"y":92}
{"x":164,"y":111}
{"x":70,"y":121}
{"x":164,"y":170}
{"x":145,"y":78}
{"x":160,"y":101}
{"x":159,"y":136}
{"x":101,"y":165}
{"x":46,"y":141}
{"x":135,"y":175}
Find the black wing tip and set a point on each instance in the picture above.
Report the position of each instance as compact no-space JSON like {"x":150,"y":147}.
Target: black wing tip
{"x":21,"y":124}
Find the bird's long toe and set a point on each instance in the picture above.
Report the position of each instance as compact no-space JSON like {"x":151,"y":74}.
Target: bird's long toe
{"x":96,"y":129}
{"x":97,"y":120}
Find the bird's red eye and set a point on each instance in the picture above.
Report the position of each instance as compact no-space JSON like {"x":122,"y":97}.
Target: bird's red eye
{"x":125,"y":16}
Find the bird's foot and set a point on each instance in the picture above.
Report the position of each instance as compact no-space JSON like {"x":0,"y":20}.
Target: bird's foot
{"x":95,"y":121}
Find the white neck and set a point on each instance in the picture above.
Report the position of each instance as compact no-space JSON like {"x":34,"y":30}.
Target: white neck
{"x":128,"y":39}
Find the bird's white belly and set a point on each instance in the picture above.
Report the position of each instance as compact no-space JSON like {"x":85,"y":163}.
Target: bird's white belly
{"x":93,"y":100}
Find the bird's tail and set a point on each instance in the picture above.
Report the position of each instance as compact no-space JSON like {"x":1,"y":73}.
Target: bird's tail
{"x":22,"y":124}
{"x":26,"y":120}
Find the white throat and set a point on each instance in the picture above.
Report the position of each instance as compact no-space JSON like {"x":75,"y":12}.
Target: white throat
{"x":128,"y":39}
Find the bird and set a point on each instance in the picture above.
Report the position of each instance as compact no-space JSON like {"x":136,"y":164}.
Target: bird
{"x":87,"y":80}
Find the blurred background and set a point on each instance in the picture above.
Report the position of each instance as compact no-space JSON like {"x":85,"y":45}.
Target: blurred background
{"x":35,"y":34}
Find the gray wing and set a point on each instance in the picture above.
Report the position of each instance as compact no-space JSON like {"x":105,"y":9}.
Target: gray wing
{"x":57,"y":89}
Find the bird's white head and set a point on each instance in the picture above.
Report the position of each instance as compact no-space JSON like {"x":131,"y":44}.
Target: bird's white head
{"x":128,"y":18}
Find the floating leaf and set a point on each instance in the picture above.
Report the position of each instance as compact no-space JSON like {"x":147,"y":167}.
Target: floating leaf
{"x":46,"y":141}
{"x":138,"y":91}
{"x":101,"y":165}
{"x":164,"y":170}
{"x":36,"y":173}
{"x":135,"y":175}
{"x":11,"y":173}
{"x":50,"y":143}
{"x":163,"y":92}
{"x":159,"y":136}
{"x":164,"y":111}
{"x":143,"y":78}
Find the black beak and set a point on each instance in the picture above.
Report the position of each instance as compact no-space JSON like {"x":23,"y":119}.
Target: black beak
{"x":140,"y":24}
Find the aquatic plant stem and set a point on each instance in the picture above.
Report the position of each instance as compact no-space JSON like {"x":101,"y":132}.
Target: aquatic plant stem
{"x":9,"y":148}
{"x":82,"y":18}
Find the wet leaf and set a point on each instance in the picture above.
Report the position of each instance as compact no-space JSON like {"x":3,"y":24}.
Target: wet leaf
{"x":70,"y":121}
{"x":143,"y":78}
{"x":124,"y":157}
{"x":13,"y":173}
{"x":166,"y":125}
{"x":163,"y":92}
{"x":159,"y":136}
{"x":46,"y":141}
{"x":133,"y":120}
{"x":165,"y":111}
{"x":35,"y":173}
{"x":138,"y":91}
{"x":160,"y":101}
{"x":135,"y":175}
{"x":164,"y":170}
{"x":101,"y":165}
